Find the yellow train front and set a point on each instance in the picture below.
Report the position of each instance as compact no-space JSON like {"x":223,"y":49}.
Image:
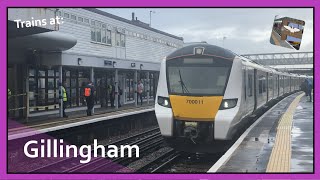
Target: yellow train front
{"x":196,"y":103}
{"x":205,"y":92}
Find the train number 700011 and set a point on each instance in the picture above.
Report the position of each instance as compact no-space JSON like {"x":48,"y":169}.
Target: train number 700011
{"x":194,"y":101}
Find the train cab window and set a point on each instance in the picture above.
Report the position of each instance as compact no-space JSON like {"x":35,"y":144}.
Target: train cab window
{"x":200,"y":76}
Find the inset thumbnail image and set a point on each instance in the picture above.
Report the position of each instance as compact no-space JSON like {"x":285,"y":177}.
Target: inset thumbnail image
{"x":287,"y":32}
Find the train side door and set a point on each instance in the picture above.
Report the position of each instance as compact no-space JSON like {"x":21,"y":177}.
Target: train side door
{"x":267,"y":88}
{"x":244,"y":95}
{"x":255,"y":88}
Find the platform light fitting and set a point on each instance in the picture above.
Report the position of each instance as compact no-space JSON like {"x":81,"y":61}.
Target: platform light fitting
{"x":198,"y":50}
{"x":80,"y":61}
{"x":141,"y":65}
{"x":114,"y":64}
{"x":133,"y":65}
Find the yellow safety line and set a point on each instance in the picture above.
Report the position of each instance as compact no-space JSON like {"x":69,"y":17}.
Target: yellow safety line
{"x":280,"y":157}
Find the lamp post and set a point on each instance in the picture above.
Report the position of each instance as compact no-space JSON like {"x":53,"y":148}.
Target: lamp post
{"x":150,"y":16}
{"x":223,"y":39}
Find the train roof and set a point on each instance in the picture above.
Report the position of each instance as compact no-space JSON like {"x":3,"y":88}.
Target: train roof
{"x":209,"y":50}
{"x":216,"y":51}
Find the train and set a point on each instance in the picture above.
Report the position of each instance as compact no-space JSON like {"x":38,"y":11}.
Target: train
{"x":205,"y":92}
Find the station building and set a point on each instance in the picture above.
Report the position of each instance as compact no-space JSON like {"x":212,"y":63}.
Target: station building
{"x":89,"y":44}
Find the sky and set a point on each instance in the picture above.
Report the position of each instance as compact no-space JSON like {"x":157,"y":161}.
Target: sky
{"x":247,"y":30}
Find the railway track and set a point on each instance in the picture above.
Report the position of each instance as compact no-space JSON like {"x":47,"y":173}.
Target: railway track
{"x":147,"y":140}
{"x":161,"y":162}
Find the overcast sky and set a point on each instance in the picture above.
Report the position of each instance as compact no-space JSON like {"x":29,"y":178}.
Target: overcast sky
{"x":247,"y":31}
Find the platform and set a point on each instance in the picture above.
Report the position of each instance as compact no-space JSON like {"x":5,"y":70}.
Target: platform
{"x":281,"y":141}
{"x":43,"y":124}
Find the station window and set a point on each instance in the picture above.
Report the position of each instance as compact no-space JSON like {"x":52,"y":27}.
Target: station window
{"x":58,"y":13}
{"x":118,"y":36}
{"x":122,"y":40}
{"x":66,"y":15}
{"x":86,"y":20}
{"x":99,"y":33}
{"x":106,"y":36}
{"x":73,"y":17}
{"x":43,"y":89}
{"x":93,"y":34}
{"x":80,"y":19}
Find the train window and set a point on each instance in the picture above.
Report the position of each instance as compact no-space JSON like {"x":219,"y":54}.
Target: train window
{"x":270,"y":84}
{"x":264,"y":84}
{"x":182,"y":79}
{"x":245,"y":84}
{"x":260,"y":84}
{"x":250,"y":78}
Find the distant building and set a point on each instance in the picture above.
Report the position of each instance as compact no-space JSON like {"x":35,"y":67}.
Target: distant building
{"x":90,"y":44}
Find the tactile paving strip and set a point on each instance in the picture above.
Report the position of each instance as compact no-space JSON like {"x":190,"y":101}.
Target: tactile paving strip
{"x":279,"y":160}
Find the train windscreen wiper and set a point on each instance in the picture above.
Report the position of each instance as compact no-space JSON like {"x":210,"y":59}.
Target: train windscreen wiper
{"x":183,"y":86}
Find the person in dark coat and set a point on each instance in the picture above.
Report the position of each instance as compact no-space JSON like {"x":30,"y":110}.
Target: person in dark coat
{"x":309,"y":88}
{"x":119,"y":96}
{"x":111,"y":90}
{"x":89,"y":95}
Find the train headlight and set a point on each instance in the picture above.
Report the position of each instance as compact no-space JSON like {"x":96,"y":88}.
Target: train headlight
{"x":164,"y":101}
{"x":228,"y":103}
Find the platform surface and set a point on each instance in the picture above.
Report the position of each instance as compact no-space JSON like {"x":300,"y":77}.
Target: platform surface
{"x":46,"y":124}
{"x":279,"y":141}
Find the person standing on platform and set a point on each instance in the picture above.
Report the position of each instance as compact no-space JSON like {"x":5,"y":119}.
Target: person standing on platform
{"x":64,"y":98}
{"x":309,"y":88}
{"x":140,"y":91}
{"x":89,"y":95}
{"x":107,"y":94}
{"x":102,"y":93}
{"x":112,"y":94}
{"x":9,"y":97}
{"x":119,"y":96}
